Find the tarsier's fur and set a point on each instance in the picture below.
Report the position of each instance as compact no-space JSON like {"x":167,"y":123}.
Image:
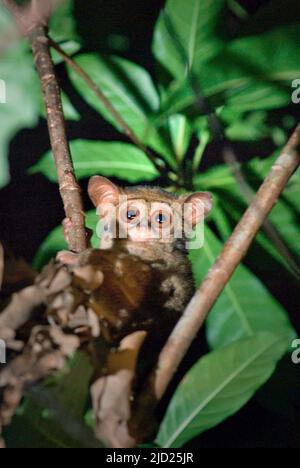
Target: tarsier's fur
{"x":144,"y":282}
{"x":169,"y":259}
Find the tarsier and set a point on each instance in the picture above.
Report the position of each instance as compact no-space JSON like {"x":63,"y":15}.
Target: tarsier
{"x":147,"y":276}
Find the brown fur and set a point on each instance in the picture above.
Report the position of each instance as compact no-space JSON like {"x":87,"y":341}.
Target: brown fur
{"x":147,"y":281}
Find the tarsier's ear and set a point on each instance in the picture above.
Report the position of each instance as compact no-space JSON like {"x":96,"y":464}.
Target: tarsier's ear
{"x":201,"y":204}
{"x":102,"y":190}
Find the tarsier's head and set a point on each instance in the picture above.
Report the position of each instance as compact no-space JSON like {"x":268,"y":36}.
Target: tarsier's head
{"x":143,"y":214}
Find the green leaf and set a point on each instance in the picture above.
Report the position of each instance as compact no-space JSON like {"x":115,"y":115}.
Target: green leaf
{"x":204,"y":134}
{"x":246,"y":75}
{"x":181,"y":133}
{"x":185,"y":34}
{"x":63,"y":30}
{"x":218,"y":386}
{"x":245,"y":127}
{"x":55,"y":242}
{"x":62,"y":22}
{"x":52,"y":415}
{"x":130,"y":91}
{"x":250,"y":75}
{"x":19,"y":99}
{"x":107,"y":158}
{"x":221,"y":221}
{"x":245,"y":306}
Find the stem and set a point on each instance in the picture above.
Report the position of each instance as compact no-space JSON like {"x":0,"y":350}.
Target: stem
{"x":118,"y":117}
{"x":68,"y":186}
{"x":219,"y":275}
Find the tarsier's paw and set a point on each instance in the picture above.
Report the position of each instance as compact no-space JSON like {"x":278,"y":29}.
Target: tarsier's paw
{"x":67,"y":258}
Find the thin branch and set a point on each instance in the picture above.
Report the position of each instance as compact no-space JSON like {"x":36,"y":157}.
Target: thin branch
{"x":107,"y":104}
{"x":219,"y":275}
{"x":69,"y":188}
{"x":32,"y":21}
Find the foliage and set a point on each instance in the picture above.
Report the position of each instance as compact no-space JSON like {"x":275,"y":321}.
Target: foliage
{"x":245,"y":83}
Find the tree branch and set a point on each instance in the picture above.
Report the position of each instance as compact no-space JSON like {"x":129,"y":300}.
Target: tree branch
{"x":32,"y":21}
{"x":69,"y":188}
{"x":219,"y":275}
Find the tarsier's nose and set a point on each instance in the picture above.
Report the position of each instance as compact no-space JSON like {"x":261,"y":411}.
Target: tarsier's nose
{"x":144,"y":224}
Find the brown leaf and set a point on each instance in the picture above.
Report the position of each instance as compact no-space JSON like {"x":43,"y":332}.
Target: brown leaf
{"x":21,"y":306}
{"x":112,"y":394}
{"x":88,"y":277}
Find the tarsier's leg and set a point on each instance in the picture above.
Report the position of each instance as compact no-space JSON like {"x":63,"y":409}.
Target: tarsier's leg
{"x":175,"y":287}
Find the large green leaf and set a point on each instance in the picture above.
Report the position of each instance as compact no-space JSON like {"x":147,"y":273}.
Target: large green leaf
{"x":247,"y":70}
{"x":52,"y":415}
{"x":185,"y":34}
{"x":246,"y":75}
{"x":107,"y":158}
{"x":19,"y":99}
{"x":218,"y":386}
{"x":55,"y":242}
{"x":131,"y":92}
{"x":245,"y":306}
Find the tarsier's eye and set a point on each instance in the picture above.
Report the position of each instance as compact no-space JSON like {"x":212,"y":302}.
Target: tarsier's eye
{"x":161,"y":218}
{"x":132,"y":214}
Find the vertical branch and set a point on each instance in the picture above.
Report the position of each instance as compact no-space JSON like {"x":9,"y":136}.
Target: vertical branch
{"x":32,"y":20}
{"x":68,"y":186}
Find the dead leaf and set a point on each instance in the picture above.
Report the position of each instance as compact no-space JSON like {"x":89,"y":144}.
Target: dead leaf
{"x":112,"y":394}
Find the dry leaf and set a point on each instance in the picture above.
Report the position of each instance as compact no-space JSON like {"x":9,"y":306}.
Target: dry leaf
{"x":112,"y":394}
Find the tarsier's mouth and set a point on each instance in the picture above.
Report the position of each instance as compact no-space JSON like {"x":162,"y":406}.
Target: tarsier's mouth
{"x":143,"y":236}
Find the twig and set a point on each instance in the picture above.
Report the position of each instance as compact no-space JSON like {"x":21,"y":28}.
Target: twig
{"x":32,"y":21}
{"x":221,"y":272}
{"x":115,"y":114}
{"x":69,"y":188}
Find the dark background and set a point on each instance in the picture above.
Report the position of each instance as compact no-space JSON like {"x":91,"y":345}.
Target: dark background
{"x":30,"y":207}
